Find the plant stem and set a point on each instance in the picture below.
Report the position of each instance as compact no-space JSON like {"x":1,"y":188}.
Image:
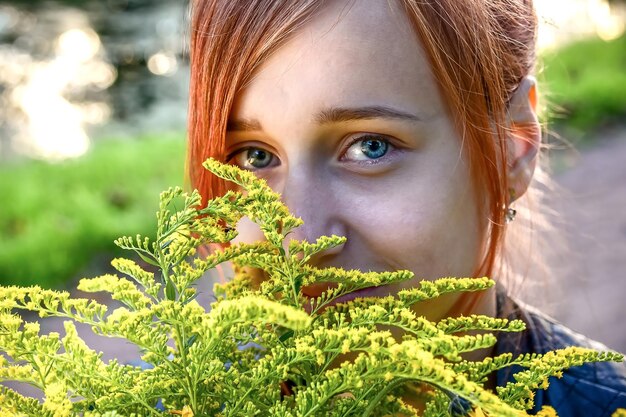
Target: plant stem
{"x":183,"y":354}
{"x":382,"y":393}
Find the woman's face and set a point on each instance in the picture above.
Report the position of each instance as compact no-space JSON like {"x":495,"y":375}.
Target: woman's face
{"x":346,"y":122}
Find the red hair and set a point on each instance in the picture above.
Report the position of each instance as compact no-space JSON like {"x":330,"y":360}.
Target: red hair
{"x":479,"y":53}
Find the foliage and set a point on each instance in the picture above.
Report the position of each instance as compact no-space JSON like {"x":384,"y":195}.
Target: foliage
{"x":337,"y":358}
{"x":586,"y":81}
{"x":81,"y":205}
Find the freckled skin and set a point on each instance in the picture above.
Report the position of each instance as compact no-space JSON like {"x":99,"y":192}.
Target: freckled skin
{"x":413,"y":208}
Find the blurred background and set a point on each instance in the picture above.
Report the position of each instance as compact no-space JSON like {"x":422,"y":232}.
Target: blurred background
{"x":93,"y":100}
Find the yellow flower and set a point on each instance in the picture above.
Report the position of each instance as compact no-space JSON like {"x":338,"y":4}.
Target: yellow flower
{"x":620,"y":412}
{"x":185,"y":412}
{"x":478,"y":412}
{"x":547,"y":411}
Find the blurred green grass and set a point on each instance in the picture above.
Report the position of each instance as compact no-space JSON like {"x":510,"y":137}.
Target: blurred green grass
{"x":585,"y":85}
{"x":56,"y":217}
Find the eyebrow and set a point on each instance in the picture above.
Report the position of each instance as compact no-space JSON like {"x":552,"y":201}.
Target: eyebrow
{"x":341,"y":114}
{"x":243,"y":125}
{"x":333,"y":115}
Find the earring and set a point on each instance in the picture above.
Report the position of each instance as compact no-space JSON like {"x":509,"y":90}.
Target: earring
{"x":509,"y":214}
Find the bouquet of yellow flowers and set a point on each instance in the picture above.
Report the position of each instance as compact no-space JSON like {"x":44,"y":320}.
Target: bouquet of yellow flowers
{"x":260,"y":350}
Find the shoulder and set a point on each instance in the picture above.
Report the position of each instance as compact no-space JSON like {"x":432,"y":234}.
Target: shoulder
{"x":596,"y":389}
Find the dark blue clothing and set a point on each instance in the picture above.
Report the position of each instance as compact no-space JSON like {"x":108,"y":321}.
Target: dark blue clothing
{"x":591,"y":390}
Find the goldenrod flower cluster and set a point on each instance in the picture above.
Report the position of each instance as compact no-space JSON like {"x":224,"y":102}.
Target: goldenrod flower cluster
{"x":259,"y":350}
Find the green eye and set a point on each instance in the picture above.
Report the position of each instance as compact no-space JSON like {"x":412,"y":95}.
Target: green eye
{"x":259,"y":158}
{"x":254,"y":158}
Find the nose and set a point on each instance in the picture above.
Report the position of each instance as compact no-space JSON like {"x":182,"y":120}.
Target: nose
{"x":308,"y":195}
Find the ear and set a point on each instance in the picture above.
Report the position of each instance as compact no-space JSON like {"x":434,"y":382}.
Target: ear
{"x":523,"y":137}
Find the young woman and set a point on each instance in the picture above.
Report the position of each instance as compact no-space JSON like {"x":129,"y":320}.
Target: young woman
{"x":407,"y":126}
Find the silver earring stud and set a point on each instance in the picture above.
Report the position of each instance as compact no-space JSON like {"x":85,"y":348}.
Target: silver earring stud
{"x":510,"y":214}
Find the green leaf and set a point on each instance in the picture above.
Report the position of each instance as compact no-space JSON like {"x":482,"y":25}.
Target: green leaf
{"x":286,"y":336}
{"x":170,"y":290}
{"x":147,"y":260}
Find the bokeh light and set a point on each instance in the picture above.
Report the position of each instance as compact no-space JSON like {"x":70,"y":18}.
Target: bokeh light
{"x":162,"y":63}
{"x":78,"y":45}
{"x":562,"y":21}
{"x":55,"y":127}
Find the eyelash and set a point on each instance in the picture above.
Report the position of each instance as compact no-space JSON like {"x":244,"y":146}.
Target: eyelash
{"x":390,"y":148}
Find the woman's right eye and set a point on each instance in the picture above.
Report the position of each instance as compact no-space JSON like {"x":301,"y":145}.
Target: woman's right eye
{"x":253,"y":158}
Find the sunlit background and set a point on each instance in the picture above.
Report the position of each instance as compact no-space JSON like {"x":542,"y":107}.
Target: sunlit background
{"x":564,"y":21}
{"x":69,"y":75}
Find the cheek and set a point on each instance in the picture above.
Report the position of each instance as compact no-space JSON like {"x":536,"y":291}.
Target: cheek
{"x":248,"y":232}
{"x":430,"y":227}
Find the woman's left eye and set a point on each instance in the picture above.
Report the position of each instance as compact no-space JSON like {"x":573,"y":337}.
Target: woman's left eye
{"x":367,"y":148}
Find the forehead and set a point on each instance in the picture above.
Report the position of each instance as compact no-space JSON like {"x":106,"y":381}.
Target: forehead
{"x":351,"y":53}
